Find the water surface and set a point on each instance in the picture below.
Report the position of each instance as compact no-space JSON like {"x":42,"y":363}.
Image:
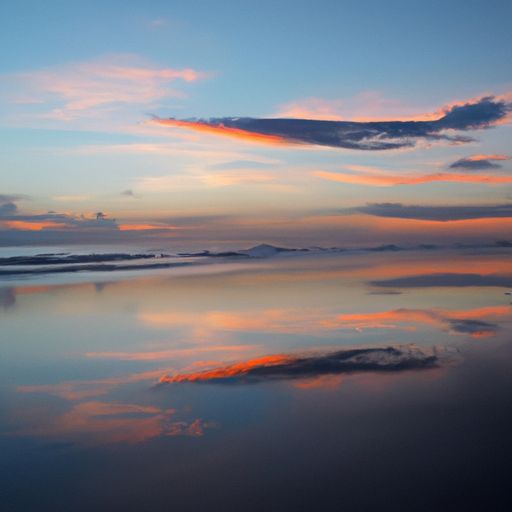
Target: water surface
{"x":178,"y":388}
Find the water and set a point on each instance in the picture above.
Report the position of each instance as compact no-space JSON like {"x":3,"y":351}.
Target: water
{"x":85,"y":423}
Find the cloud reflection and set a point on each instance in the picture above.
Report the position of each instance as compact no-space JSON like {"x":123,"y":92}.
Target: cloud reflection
{"x":314,"y":322}
{"x":286,"y":367}
{"x":96,"y":423}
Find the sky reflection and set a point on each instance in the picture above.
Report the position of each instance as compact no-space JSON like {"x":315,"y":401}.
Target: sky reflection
{"x":115,"y":366}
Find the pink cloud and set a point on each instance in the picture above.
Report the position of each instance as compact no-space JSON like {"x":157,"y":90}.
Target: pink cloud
{"x":79,"y":89}
{"x":366,"y":106}
{"x":361,"y":175}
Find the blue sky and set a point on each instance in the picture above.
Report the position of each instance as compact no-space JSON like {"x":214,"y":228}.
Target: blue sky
{"x":79,"y":81}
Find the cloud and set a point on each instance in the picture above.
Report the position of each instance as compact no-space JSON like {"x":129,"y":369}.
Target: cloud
{"x":364,"y":106}
{"x":95,"y":87}
{"x":475,"y":328}
{"x":479,"y":162}
{"x":379,"y":178}
{"x":19,"y":227}
{"x":447,"y":280}
{"x":456,"y":322}
{"x":210,"y":324}
{"x":372,"y":135}
{"x":80,"y":389}
{"x":95,"y":423}
{"x":8,"y":209}
{"x":12,"y":218}
{"x":282,"y":366}
{"x":8,"y":205}
{"x":441,"y":213}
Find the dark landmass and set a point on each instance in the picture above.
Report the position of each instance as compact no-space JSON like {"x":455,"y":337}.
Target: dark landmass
{"x":227,"y":254}
{"x":63,"y":258}
{"x":384,"y":248}
{"x":267,"y":250}
{"x":88,"y":268}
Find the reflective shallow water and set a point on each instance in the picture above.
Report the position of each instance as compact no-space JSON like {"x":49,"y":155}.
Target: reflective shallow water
{"x":220,"y":385}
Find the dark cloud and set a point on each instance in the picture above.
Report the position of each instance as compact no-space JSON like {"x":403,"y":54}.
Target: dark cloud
{"x":7,"y":209}
{"x":479,"y":114}
{"x":128,"y":193}
{"x":389,"y":359}
{"x":376,"y":135}
{"x":437,"y":213}
{"x":446,"y":280}
{"x":472,"y":327}
{"x":479,"y":163}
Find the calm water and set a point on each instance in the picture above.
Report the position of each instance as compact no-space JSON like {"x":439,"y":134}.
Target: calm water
{"x":86,"y":425}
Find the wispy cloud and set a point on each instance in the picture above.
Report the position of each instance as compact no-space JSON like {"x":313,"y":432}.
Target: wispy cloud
{"x":315,"y":322}
{"x":379,"y":178}
{"x":96,"y":423}
{"x":371,"y":135}
{"x":96,"y":87}
{"x":81,"y":389}
{"x":469,"y":322}
{"x":440,"y":213}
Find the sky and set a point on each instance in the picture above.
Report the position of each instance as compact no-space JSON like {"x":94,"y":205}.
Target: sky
{"x":296,"y":123}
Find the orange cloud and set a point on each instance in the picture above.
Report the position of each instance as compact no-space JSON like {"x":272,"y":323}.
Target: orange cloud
{"x":232,"y":370}
{"x":437,"y":317}
{"x":367,"y":106}
{"x":24,"y":225}
{"x":268,"y":320}
{"x":305,"y":367}
{"x":381,"y":179}
{"x":478,"y":158}
{"x":226,"y":131}
{"x":95,"y":423}
{"x":80,"y":389}
{"x":93,"y":88}
{"x":320,"y":382}
{"x":289,"y":321}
